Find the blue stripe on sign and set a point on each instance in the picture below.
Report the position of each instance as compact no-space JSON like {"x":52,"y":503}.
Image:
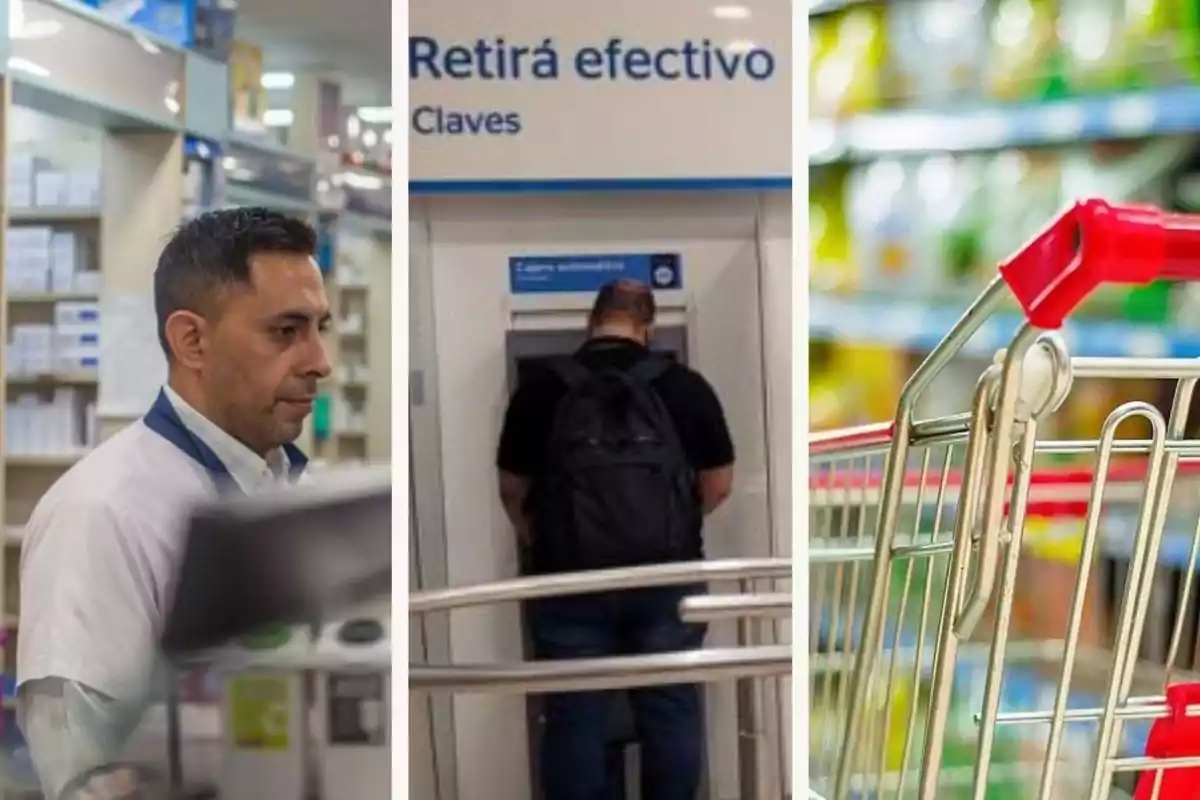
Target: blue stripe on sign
{"x":557,"y":186}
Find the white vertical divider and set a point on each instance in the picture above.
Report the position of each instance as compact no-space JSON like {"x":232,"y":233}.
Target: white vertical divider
{"x":777,"y":274}
{"x":8,"y":645}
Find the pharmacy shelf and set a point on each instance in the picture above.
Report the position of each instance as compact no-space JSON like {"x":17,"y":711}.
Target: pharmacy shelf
{"x":43,"y":460}
{"x":54,"y":379}
{"x":1134,"y":115}
{"x":917,"y":326}
{"x":43,"y":298}
{"x":118,"y":176}
{"x":359,"y":392}
{"x":51,"y":215}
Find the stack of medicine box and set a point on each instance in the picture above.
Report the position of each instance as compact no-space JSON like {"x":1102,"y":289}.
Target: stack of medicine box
{"x":33,"y":426}
{"x":39,"y":259}
{"x":68,"y":346}
{"x":33,"y":181}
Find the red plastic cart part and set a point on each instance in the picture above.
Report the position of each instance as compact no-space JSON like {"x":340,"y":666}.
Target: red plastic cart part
{"x":870,"y":435}
{"x":1127,"y":470}
{"x":1094,"y":243}
{"x":1175,"y":736}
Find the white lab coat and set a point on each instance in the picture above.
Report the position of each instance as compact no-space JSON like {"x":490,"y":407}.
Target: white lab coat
{"x":98,"y":562}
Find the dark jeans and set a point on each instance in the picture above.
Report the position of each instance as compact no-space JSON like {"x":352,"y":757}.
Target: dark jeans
{"x":669,"y":720}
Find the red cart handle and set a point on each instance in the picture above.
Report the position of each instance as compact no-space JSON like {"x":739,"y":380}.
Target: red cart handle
{"x":1175,"y":736}
{"x":1094,"y":243}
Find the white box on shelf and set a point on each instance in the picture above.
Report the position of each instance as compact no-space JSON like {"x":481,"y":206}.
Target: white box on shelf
{"x":33,"y":348}
{"x":21,"y":172}
{"x":76,"y":312}
{"x":79,"y":361}
{"x":20,"y":278}
{"x":63,"y":410}
{"x":21,"y":416}
{"x":50,"y":189}
{"x":89,"y":425}
{"x":19,"y":195}
{"x":80,"y":335}
{"x":85,"y":360}
{"x":64,"y":257}
{"x":27,"y":258}
{"x":83,"y":188}
{"x":87,"y":281}
{"x":28,"y":237}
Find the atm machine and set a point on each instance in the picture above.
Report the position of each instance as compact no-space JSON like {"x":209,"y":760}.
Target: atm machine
{"x":545,"y":326}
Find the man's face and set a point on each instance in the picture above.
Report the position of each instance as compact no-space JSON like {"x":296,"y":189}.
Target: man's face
{"x":266,"y":351}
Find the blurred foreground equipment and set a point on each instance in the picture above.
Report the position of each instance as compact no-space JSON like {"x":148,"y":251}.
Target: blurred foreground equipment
{"x":119,"y":782}
{"x":299,"y":555}
{"x":294,"y":556}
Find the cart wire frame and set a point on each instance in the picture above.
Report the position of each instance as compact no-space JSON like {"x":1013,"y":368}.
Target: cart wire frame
{"x":857,"y":676}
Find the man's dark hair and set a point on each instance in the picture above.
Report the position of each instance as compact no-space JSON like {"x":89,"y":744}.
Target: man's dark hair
{"x":212,"y":252}
{"x":623,"y":298}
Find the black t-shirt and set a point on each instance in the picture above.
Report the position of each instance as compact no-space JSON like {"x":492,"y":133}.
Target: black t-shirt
{"x":691,"y":402}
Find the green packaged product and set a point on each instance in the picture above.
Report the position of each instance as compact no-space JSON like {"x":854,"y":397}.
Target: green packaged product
{"x":322,"y":418}
{"x":1149,"y":305}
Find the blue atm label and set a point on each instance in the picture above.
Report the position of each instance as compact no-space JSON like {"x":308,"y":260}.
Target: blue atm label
{"x":588,"y":273}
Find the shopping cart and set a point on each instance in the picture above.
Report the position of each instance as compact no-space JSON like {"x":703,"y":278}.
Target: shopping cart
{"x":927,"y":678}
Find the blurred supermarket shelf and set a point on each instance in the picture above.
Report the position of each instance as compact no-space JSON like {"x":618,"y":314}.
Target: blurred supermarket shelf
{"x":918,"y":326}
{"x":816,"y":7}
{"x":1055,"y":492}
{"x":992,"y":127}
{"x":1028,"y":684}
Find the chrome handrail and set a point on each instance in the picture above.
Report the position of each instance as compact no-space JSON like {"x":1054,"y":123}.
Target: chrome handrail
{"x":574,"y":583}
{"x":710,"y":608}
{"x":547,"y":677}
{"x":746,"y":664}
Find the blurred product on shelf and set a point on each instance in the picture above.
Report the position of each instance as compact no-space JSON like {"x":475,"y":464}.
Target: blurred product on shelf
{"x":848,"y":52}
{"x":830,"y":265}
{"x":64,"y":425}
{"x":936,"y":50}
{"x":41,"y":259}
{"x":1052,"y":547}
{"x":870,"y":56}
{"x":35,"y":181}
{"x":1022,"y":46}
{"x":852,"y":384}
{"x":934,"y":227}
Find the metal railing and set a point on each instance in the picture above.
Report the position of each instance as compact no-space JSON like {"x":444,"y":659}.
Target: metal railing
{"x":751,"y":661}
{"x":576,"y":583}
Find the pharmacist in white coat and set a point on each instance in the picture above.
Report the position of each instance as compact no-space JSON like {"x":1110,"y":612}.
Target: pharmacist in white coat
{"x":241,"y":311}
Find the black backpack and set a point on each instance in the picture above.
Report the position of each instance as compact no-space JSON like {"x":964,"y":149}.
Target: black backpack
{"x":618,"y":489}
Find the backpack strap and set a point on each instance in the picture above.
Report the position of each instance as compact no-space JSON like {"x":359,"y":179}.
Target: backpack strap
{"x":570,"y":371}
{"x":649,"y":369}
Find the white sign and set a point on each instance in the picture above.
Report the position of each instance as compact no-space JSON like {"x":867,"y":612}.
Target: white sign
{"x":599,"y":91}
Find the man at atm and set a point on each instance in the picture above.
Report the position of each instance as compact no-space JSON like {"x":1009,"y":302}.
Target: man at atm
{"x":611,"y":458}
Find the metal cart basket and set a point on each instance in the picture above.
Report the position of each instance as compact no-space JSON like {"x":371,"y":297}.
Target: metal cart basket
{"x":920,"y":581}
